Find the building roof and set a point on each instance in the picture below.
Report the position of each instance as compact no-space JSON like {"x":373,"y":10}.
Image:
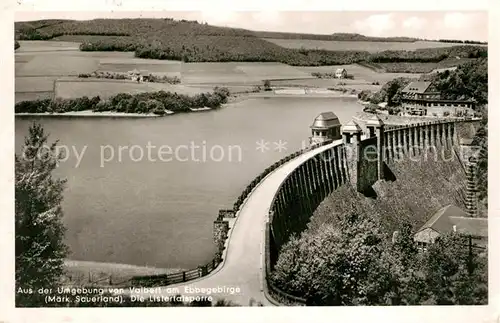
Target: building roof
{"x":466,"y":141}
{"x":452,"y":216}
{"x":325,"y":120}
{"x":416,"y":87}
{"x":477,"y":227}
{"x":352,"y":127}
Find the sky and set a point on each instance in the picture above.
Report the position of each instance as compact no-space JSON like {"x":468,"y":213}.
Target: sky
{"x":463,"y":25}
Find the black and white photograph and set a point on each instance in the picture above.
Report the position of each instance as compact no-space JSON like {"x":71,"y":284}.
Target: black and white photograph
{"x":210,"y":158}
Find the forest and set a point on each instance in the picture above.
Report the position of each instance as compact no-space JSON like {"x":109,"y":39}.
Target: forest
{"x":148,"y":102}
{"x":468,"y":81}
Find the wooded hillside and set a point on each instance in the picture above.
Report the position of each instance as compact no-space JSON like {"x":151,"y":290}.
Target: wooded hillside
{"x":191,"y":41}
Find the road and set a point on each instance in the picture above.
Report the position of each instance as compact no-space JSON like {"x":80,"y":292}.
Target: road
{"x":240,"y":277}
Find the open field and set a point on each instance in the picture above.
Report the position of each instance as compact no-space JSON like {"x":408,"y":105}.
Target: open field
{"x":35,"y":84}
{"x":158,"y":69}
{"x":416,"y":67}
{"x":44,"y":62}
{"x":31,"y":96}
{"x":37,"y":68}
{"x":238,"y":72}
{"x":360,"y":73}
{"x":369,"y":46}
{"x":57,"y":65}
{"x":324,"y":84}
{"x":75,"y":88}
{"x":46,"y":46}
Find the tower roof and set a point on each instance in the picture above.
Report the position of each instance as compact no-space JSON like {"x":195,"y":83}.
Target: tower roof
{"x":351,"y":127}
{"x":325,"y":120}
{"x":374,"y":121}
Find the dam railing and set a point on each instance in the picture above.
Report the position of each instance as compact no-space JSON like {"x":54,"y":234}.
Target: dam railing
{"x":312,"y":181}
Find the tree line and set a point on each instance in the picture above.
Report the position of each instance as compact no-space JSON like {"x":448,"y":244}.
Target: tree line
{"x":147,"y":102}
{"x":332,"y":37}
{"x":463,"y":41}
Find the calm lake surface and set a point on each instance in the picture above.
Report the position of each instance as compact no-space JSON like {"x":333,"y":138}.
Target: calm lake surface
{"x":158,"y":213}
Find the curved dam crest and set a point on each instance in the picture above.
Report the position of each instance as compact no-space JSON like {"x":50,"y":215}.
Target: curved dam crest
{"x":279,"y":203}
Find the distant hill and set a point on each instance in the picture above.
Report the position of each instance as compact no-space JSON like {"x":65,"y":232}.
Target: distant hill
{"x":190,"y":41}
{"x":332,"y":37}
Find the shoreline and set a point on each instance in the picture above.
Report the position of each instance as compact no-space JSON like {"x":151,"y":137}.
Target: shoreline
{"x":89,"y":113}
{"x":81,"y":270}
{"x":271,"y":94}
{"x":235,"y":98}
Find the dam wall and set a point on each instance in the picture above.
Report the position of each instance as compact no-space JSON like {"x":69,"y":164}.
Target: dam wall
{"x":359,"y":159}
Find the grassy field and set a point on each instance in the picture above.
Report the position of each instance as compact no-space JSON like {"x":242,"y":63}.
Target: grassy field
{"x":57,"y":65}
{"x":360,"y":73}
{"x":35,"y":84}
{"x":31,"y":96}
{"x":416,"y":67}
{"x":47,"y":46}
{"x":76,"y":88}
{"x":238,"y":72}
{"x":369,"y":46}
{"x":170,"y":68}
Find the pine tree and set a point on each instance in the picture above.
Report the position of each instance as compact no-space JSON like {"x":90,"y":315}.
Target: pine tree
{"x":40,"y":250}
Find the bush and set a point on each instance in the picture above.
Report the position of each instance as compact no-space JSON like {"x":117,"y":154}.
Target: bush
{"x":391,"y":91}
{"x":155,"y":106}
{"x":365,"y":95}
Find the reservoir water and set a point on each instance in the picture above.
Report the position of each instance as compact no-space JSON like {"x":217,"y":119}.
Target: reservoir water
{"x":157,"y":210}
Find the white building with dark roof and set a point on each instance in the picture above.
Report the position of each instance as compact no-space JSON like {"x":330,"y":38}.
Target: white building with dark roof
{"x":422,"y":98}
{"x":453,"y":219}
{"x":340,"y":73}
